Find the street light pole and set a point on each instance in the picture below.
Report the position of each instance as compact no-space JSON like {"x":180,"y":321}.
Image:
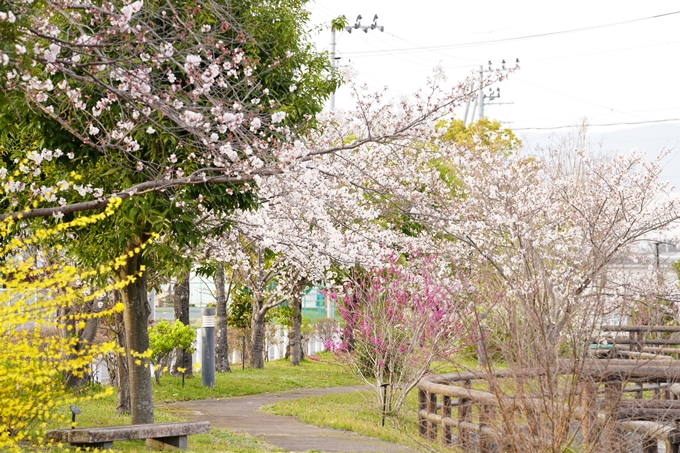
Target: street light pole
{"x":348,"y":28}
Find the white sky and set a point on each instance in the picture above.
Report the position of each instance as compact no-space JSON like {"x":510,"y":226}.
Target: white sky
{"x":624,"y":73}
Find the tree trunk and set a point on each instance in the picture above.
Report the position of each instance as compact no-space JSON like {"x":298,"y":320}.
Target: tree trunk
{"x":136,"y":320}
{"x":295,"y":337}
{"x":221,"y":341}
{"x":257,"y":320}
{"x":123,"y":393}
{"x":257,"y":339}
{"x":86,"y":337}
{"x":65,"y":315}
{"x":181,"y":304}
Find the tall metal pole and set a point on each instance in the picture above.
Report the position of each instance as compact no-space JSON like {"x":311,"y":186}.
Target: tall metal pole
{"x":480,"y":93}
{"x":467,"y":107}
{"x":332,"y":64}
{"x":243,"y":353}
{"x":208,"y":350}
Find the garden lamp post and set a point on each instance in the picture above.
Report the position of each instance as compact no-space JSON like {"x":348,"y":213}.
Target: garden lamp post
{"x":208,"y":349}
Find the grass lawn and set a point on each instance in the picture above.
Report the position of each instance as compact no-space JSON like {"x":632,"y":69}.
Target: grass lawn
{"x":356,"y":412}
{"x":102,"y":412}
{"x":277,"y":376}
{"x":359,"y":412}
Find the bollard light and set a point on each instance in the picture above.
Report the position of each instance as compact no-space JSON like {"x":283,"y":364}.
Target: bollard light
{"x":75,"y":410}
{"x":384,"y":397}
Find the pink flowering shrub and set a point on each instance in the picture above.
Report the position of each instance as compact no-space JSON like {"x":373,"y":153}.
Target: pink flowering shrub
{"x":398,"y":320}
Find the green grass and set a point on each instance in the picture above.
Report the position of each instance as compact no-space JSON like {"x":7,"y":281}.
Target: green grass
{"x":359,"y":412}
{"x":277,"y":376}
{"x":102,"y":412}
{"x":355,"y":412}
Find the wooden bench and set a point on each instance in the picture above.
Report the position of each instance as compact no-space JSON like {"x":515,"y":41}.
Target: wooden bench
{"x":160,"y":436}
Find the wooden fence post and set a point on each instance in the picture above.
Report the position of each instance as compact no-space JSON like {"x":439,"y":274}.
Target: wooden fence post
{"x":589,"y":426}
{"x":464,"y":415}
{"x":638,"y":336}
{"x":431,"y":409}
{"x":612,"y":398}
{"x":673,"y":446}
{"x":446,"y":413}
{"x":488,"y":414}
{"x":422,"y":421}
{"x":650,"y":445}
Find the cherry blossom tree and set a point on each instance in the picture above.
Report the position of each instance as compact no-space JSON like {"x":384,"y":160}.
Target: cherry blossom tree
{"x":547,"y":232}
{"x":270,"y":281}
{"x":171,"y":103}
{"x":335,"y":207}
{"x":551,"y":226}
{"x":551,"y":232}
{"x":146,"y":98}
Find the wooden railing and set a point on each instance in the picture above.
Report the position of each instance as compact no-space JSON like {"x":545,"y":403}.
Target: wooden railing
{"x":453,"y":410}
{"x":437,"y":396}
{"x":644,"y":341}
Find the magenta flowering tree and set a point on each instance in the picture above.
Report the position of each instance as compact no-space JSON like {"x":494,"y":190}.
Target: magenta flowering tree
{"x":399,"y":319}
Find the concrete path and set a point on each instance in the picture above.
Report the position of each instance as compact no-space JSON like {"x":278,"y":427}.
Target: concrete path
{"x":243,"y":414}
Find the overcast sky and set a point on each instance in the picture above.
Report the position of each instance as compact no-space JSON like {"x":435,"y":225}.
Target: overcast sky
{"x":614,"y":62}
{"x":609,"y":61}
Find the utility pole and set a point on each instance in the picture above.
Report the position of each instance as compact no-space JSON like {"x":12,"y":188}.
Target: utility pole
{"x":467,"y":107}
{"x":357,"y":26}
{"x":480,"y":93}
{"x":481,"y":98}
{"x":333,"y":65}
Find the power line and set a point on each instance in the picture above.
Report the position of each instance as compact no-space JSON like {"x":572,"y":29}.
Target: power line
{"x":428,"y":61}
{"x":444,"y":54}
{"x":667,"y":120}
{"x":624,"y":49}
{"x":519,"y":38}
{"x":579,"y":99}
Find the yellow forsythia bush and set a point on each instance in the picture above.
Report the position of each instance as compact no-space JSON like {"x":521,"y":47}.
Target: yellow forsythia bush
{"x":34,"y":355}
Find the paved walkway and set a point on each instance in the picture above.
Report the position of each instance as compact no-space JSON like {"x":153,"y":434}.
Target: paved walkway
{"x":243,"y":414}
